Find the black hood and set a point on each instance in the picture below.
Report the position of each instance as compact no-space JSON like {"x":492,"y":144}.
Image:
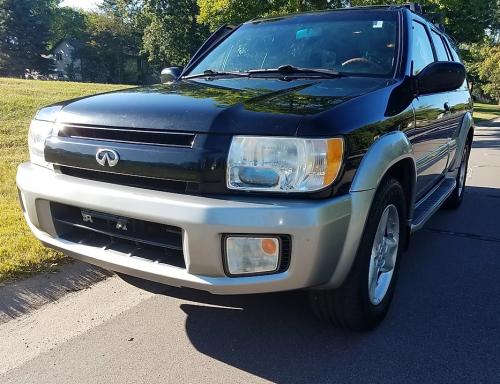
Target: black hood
{"x":229,"y":106}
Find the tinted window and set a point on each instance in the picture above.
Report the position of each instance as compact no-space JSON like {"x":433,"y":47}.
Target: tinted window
{"x":440,"y":48}
{"x":422,"y":49}
{"x":453,"y":50}
{"x":348,"y":42}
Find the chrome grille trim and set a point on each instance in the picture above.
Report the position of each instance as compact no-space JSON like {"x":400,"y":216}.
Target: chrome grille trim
{"x":127,"y":135}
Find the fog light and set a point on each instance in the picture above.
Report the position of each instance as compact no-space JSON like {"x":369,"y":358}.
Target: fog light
{"x":252,"y":255}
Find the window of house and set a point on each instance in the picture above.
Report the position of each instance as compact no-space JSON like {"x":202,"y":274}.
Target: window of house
{"x":422,"y":49}
{"x":59,"y":56}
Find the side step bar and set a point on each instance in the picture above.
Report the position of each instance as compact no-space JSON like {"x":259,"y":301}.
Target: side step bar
{"x":426,"y":207}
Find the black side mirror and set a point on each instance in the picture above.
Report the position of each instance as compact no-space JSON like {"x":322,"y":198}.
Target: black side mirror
{"x":440,"y":76}
{"x":170,"y":74}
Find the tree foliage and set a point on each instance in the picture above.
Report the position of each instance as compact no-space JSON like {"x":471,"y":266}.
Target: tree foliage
{"x":168,"y":32}
{"x":214,"y":13}
{"x":172,"y":33}
{"x":67,"y":23}
{"x":24,"y":35}
{"x":112,"y":38}
{"x":489,"y":71}
{"x":465,"y":20}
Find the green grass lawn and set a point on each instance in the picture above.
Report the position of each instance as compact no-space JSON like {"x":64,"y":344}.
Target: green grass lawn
{"x":20,"y":252}
{"x":484,"y":112}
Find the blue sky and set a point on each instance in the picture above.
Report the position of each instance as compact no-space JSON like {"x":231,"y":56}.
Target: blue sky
{"x":85,"y":4}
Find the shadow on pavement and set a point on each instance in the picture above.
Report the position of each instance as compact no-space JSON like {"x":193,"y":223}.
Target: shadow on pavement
{"x":444,"y":325}
{"x":495,"y":123}
{"x":487,"y":138}
{"x":24,"y":296}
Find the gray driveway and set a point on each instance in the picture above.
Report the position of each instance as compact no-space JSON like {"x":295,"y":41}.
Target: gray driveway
{"x":444,"y":325}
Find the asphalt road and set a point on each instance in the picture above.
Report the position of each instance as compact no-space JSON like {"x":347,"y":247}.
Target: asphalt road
{"x":444,"y":325}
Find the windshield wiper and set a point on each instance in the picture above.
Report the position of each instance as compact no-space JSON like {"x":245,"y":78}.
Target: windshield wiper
{"x":292,"y":70}
{"x":211,"y":73}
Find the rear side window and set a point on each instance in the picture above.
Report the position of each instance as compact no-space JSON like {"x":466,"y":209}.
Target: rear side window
{"x":453,"y":51}
{"x":440,"y":48}
{"x":422,"y":49}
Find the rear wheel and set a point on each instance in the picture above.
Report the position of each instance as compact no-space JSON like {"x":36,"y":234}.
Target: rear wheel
{"x":457,"y":196}
{"x":363,"y":300}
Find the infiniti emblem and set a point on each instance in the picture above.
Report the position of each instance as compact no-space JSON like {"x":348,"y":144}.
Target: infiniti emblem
{"x":107,"y":157}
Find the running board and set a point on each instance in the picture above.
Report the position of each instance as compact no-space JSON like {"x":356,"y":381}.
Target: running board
{"x":431,"y":203}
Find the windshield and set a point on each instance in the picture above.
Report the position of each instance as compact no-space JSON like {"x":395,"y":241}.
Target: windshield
{"x":352,"y":42}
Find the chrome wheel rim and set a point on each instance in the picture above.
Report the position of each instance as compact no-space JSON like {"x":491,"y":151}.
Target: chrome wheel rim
{"x":462,"y":173}
{"x":384,"y":255}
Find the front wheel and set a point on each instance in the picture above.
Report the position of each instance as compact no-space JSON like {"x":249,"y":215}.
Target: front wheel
{"x":363,"y":300}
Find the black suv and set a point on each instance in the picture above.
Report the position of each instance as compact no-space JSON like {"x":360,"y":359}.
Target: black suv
{"x":296,"y":152}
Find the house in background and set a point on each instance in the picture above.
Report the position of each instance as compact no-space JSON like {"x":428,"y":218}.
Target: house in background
{"x":73,"y":60}
{"x":67,"y":65}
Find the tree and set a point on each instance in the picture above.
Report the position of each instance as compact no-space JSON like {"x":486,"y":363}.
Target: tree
{"x":24,"y":35}
{"x":172,"y":33}
{"x":465,"y":20}
{"x":214,"y":13}
{"x":102,"y":54}
{"x":67,"y":23}
{"x":112,"y":43}
{"x":489,"y":71}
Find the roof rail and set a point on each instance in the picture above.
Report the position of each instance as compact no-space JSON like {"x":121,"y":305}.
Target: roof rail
{"x":414,"y":7}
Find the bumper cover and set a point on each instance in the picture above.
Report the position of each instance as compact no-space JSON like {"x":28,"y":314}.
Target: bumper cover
{"x":324,"y":234}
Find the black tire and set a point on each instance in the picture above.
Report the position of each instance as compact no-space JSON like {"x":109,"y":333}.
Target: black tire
{"x":349,"y":306}
{"x":455,"y":199}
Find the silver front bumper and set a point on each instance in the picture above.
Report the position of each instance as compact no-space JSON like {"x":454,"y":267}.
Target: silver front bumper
{"x":324,"y":234}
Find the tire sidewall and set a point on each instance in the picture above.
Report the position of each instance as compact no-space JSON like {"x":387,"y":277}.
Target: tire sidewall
{"x":391,"y":193}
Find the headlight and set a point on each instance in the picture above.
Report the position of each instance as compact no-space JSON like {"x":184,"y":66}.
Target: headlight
{"x":38,"y":133}
{"x":282,"y":164}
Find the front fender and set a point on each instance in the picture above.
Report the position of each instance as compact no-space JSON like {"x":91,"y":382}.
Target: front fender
{"x":388,"y":150}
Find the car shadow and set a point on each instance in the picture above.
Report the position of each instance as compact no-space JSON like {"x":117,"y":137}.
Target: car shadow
{"x":444,"y":324}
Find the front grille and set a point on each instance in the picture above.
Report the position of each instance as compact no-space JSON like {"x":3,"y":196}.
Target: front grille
{"x":155,"y":242}
{"x":128,"y":135}
{"x":127,"y":180}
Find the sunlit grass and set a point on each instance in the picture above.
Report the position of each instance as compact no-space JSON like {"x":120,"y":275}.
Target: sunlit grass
{"x":484,"y":112}
{"x":20,"y":252}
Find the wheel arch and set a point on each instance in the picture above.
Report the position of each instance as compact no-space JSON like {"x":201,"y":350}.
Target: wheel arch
{"x":390,"y":155}
{"x":465,"y":134}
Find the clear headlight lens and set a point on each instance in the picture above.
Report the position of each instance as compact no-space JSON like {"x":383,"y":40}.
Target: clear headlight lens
{"x":283,"y":164}
{"x":38,"y":133}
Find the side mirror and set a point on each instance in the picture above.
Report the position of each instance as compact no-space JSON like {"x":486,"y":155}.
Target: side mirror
{"x":170,"y":74}
{"x":440,"y":76}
